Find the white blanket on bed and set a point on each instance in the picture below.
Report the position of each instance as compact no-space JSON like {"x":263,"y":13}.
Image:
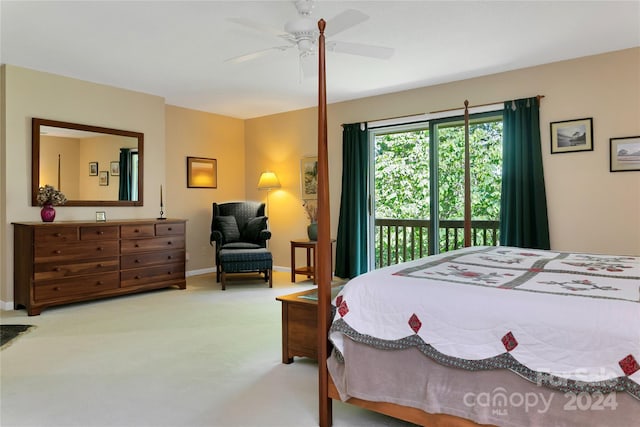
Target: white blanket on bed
{"x":576,"y":316}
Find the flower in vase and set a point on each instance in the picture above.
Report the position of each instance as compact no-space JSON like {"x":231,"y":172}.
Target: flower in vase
{"x":48,"y":195}
{"x":311,"y":209}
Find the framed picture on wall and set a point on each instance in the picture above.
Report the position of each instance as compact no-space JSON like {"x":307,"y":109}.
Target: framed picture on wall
{"x":572,"y":135}
{"x":114,"y":168}
{"x":103,"y":178}
{"x":624,"y":154}
{"x":202,"y":172}
{"x":309,"y":177}
{"x":93,"y":168}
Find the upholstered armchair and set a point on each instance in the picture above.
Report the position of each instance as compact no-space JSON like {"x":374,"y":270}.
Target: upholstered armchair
{"x":238,"y":225}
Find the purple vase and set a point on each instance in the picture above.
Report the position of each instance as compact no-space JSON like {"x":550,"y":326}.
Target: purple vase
{"x":48,"y":214}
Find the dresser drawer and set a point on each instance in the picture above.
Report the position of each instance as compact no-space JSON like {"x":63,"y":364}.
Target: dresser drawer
{"x":170,"y":229}
{"x":151,"y":258}
{"x":75,"y":251}
{"x":147,"y":275}
{"x":138,"y":230}
{"x":56,"y":234}
{"x":159,"y":243}
{"x":86,"y":285}
{"x":58,"y":270}
{"x":100,"y":233}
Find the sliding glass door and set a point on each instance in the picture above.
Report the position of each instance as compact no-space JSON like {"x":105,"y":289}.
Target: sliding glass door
{"x":417,"y":182}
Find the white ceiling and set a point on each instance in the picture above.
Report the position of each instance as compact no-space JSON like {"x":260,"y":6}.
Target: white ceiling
{"x":177,"y":49}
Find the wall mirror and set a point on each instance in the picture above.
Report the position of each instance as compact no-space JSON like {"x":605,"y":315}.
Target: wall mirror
{"x":91,"y":165}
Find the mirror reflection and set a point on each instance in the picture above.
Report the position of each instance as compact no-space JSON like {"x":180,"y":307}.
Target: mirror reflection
{"x":92,"y":166}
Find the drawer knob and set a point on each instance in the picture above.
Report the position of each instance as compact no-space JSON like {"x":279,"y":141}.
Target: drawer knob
{"x":58,"y":234}
{"x":169,"y":242}
{"x":100,"y":249}
{"x":57,"y":251}
{"x":56,"y":269}
{"x":100,"y":233}
{"x":169,"y":228}
{"x":137,"y":261}
{"x":55,"y":288}
{"x":99,"y":282}
{"x":169,"y":257}
{"x":100,"y":266}
{"x":136,"y":231}
{"x":137,"y":277}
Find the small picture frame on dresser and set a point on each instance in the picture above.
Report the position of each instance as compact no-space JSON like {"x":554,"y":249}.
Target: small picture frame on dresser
{"x":101,"y":216}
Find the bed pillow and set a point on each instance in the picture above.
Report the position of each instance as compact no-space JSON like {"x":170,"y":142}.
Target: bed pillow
{"x":254,"y":226}
{"x":229,"y":227}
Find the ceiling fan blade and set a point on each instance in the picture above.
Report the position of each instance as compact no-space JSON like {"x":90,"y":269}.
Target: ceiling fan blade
{"x":344,"y":20}
{"x":258,"y":26}
{"x":254,"y":55}
{"x":372,"y":51}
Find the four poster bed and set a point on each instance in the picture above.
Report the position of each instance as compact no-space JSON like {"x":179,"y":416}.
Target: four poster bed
{"x":482,"y":335}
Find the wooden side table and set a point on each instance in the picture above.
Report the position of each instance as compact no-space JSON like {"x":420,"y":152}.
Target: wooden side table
{"x":308,"y":269}
{"x":300,"y":323}
{"x":299,"y":326}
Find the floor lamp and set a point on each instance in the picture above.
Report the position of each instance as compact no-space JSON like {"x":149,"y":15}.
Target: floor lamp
{"x":268,"y":181}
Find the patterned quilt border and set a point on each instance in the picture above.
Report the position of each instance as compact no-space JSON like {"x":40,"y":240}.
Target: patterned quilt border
{"x":501,"y":361}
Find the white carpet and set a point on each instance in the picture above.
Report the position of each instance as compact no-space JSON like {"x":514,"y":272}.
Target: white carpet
{"x":194,"y":357}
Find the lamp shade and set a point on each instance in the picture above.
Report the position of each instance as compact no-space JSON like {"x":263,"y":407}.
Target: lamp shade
{"x":268,"y":180}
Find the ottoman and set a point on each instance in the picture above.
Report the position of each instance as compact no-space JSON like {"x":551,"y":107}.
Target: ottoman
{"x":245,"y":261}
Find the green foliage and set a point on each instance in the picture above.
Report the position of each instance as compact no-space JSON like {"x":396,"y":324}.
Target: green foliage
{"x":402,"y":175}
{"x":485,"y":141}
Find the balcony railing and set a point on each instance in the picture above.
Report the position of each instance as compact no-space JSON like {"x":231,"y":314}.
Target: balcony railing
{"x":399,"y":240}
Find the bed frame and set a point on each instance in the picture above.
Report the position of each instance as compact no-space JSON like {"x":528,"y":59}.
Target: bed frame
{"x":327,"y":390}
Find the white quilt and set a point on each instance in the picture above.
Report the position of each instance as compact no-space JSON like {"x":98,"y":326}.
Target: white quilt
{"x":574,"y":316}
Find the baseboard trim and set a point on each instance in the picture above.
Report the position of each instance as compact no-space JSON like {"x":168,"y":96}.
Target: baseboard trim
{"x":200,"y":271}
{"x":6,"y":306}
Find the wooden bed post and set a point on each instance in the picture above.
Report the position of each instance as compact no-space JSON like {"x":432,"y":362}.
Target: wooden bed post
{"x":467,"y":178}
{"x":323,"y":273}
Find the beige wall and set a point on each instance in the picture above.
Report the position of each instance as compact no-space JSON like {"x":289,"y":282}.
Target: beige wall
{"x":192,"y":133}
{"x":60,"y":157}
{"x":590,"y":209}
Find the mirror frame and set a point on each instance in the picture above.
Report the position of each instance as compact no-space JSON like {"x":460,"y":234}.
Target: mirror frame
{"x":35,"y":161}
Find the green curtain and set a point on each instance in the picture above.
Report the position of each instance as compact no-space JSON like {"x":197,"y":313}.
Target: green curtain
{"x":352,"y":238}
{"x":523,"y":206}
{"x":124,"y":191}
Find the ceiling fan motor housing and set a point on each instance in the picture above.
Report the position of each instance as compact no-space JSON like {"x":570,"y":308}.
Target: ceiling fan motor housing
{"x":304,"y":32}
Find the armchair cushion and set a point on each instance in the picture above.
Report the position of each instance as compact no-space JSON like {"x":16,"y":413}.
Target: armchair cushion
{"x":251,"y":231}
{"x":229,"y":228}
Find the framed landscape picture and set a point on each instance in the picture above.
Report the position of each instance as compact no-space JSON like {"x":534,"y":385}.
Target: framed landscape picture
{"x":114,"y":168}
{"x":624,"y":154}
{"x":572,"y":135}
{"x":202,"y":172}
{"x":93,"y":168}
{"x":103,"y":178}
{"x":309,"y":177}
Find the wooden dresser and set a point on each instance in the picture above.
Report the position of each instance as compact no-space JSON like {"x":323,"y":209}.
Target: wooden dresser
{"x":63,"y":262}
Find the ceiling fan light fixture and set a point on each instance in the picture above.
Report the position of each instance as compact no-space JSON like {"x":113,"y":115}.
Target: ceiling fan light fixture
{"x":306,"y":46}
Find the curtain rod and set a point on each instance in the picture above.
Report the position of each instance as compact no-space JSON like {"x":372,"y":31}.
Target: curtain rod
{"x":475,"y":106}
{"x":388,"y":118}
{"x":418,"y":116}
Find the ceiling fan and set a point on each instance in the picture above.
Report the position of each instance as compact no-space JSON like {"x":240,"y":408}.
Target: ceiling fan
{"x":302,"y":33}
